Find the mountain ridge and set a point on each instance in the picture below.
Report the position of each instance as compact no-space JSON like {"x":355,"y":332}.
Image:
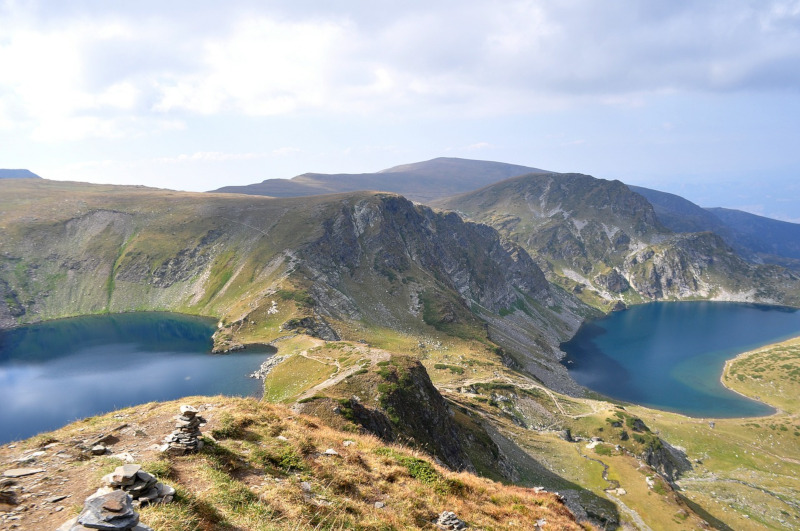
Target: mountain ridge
{"x":606,"y":243}
{"x":757,"y":238}
{"x":383,"y":305}
{"x":17,"y":174}
{"x":421,"y":181}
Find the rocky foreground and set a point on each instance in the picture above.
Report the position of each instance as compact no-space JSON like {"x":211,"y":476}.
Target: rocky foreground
{"x":262,"y":467}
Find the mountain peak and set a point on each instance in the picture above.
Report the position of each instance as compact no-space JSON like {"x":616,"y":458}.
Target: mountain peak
{"x":443,"y":167}
{"x":419,"y":181}
{"x":18,"y":174}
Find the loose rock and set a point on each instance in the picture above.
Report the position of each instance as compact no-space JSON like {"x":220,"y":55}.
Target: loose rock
{"x":109,"y":511}
{"x":20,"y":472}
{"x":98,"y":449}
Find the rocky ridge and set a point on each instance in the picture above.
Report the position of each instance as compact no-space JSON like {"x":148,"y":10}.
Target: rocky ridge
{"x":604,"y":242}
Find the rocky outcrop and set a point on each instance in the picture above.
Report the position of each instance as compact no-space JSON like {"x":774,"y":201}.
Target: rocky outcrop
{"x":414,"y":405}
{"x":405,"y":407}
{"x":667,"y":460}
{"x":391,"y":236}
{"x":612,"y":281}
{"x":314,"y":327}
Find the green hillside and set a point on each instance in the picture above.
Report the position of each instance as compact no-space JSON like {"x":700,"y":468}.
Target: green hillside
{"x":399,"y":322}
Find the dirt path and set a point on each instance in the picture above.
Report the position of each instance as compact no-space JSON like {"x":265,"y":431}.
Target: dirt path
{"x":372,"y":354}
{"x":544,"y":390}
{"x":630,"y":513}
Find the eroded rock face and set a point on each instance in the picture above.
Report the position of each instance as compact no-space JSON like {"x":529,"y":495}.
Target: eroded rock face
{"x":388,"y":234}
{"x":613,"y":281}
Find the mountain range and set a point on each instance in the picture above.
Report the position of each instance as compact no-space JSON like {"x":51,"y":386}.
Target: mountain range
{"x":443,"y":320}
{"x":581,"y":230}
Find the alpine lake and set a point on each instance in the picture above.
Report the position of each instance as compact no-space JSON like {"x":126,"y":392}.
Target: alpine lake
{"x":55,"y":372}
{"x":671,"y":355}
{"x":667,"y":356}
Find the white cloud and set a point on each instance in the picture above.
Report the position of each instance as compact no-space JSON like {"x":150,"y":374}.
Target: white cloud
{"x":121,"y":70}
{"x":263,"y":67}
{"x":209,"y":156}
{"x":479,"y":145}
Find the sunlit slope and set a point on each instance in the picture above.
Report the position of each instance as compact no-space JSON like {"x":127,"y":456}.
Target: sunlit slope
{"x":359,"y":266}
{"x":265,"y":468}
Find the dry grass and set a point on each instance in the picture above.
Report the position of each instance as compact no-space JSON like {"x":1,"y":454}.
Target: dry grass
{"x":265,"y":468}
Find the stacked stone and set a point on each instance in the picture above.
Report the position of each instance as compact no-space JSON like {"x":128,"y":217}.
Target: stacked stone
{"x":112,"y":511}
{"x":450,"y":522}
{"x":186,"y":437}
{"x":142,"y":487}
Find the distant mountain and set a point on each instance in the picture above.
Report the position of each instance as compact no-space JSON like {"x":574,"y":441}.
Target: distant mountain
{"x":763,"y":235}
{"x":756,"y":238}
{"x":606,"y":243}
{"x":421,"y":181}
{"x":681,"y":215}
{"x":18,"y":174}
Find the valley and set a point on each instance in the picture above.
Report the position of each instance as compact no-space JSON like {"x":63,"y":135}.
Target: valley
{"x":390,"y":317}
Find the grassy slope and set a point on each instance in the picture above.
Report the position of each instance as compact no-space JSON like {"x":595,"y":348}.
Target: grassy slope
{"x":251,"y":477}
{"x":453,"y":361}
{"x":748,"y":466}
{"x":117,"y":236}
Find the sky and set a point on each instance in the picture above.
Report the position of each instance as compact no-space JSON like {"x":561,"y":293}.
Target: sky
{"x":695,"y":97}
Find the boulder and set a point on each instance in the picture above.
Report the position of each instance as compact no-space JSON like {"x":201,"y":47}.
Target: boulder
{"x":109,"y":512}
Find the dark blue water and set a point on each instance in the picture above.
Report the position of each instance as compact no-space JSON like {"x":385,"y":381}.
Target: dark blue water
{"x":55,"y":372}
{"x":671,"y":355}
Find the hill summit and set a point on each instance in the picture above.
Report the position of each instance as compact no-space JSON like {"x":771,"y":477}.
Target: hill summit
{"x":420,"y":181}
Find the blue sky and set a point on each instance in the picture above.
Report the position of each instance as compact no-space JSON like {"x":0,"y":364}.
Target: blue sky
{"x":700,"y":97}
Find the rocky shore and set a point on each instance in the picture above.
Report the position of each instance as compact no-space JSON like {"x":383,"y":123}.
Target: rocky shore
{"x":266,"y":367}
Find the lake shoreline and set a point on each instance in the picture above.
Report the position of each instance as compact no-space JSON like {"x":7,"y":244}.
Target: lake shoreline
{"x":665,"y":355}
{"x":59,"y":370}
{"x":743,"y":355}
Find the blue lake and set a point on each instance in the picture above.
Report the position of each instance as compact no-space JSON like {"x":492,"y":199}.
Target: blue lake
{"x":671,"y":355}
{"x":55,"y":372}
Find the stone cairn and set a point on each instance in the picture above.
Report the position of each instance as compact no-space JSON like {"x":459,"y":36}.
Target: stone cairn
{"x":142,"y":487}
{"x":450,"y":522}
{"x":112,"y":511}
{"x":186,"y":436}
